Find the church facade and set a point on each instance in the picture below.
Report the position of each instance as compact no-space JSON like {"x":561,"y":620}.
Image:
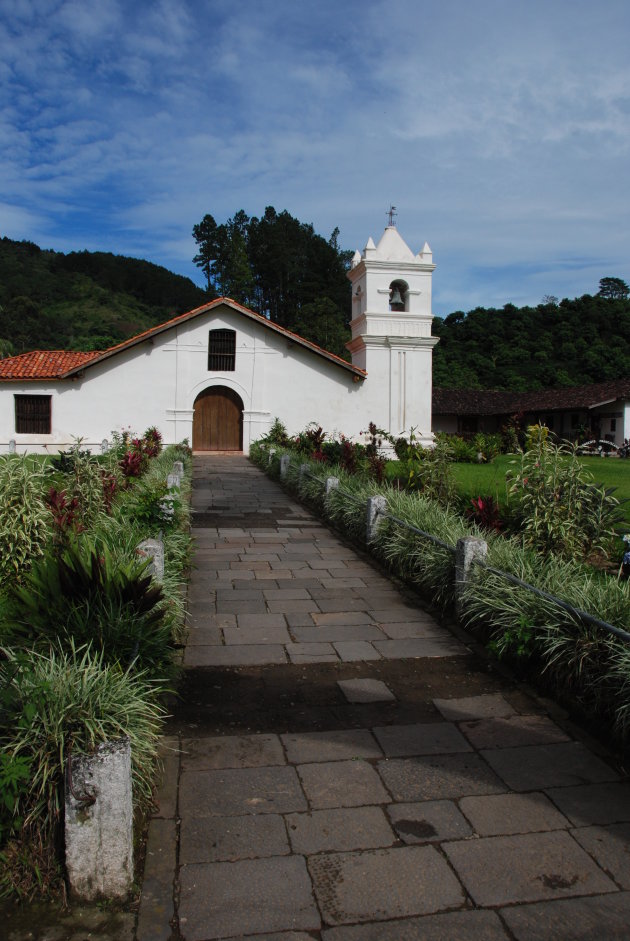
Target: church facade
{"x":218,"y":375}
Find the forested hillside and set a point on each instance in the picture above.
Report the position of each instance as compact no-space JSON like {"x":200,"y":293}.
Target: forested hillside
{"x":83,"y":300}
{"x":570,"y":343}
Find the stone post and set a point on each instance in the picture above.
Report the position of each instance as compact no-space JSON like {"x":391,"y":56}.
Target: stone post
{"x":173,"y":481}
{"x":376,"y":508}
{"x":331,"y":484}
{"x":12,"y":446}
{"x":99,"y":822}
{"x":285,"y":460}
{"x":178,"y":468}
{"x":153,"y":549}
{"x":468,"y":550}
{"x":272,"y":451}
{"x":104,"y":446}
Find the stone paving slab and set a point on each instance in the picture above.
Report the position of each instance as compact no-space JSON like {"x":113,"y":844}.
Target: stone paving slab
{"x":420,"y":647}
{"x":231,"y":751}
{"x":310,"y":633}
{"x":312,"y":653}
{"x":440,"y":776}
{"x":536,"y":766}
{"x":231,"y":792}
{"x":330,"y":746}
{"x":504,"y":870}
{"x":427,"y":738}
{"x":593,"y":803}
{"x":351,"y":828}
{"x":256,"y":635}
{"x":474,"y":707}
{"x":512,"y":731}
{"x":342,"y":784}
{"x":234,"y":655}
{"x":365,"y":690}
{"x":156,"y":905}
{"x":428,"y":821}
{"x":383,"y":884}
{"x":401,"y":630}
{"x":353,"y":650}
{"x":610,"y":848}
{"x":216,"y":839}
{"x":588,"y":919}
{"x":499,"y":814}
{"x":223,"y":900}
{"x":452,"y":926}
{"x":201,"y":636}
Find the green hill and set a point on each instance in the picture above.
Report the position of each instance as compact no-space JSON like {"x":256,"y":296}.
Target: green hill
{"x":572,"y":343}
{"x":83,"y":300}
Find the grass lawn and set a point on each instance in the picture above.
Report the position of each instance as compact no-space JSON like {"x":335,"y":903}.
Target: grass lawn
{"x":482,"y":480}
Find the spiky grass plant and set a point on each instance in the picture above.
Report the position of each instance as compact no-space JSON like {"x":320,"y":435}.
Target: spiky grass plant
{"x":427,"y":565}
{"x":25,"y":520}
{"x":67,"y":702}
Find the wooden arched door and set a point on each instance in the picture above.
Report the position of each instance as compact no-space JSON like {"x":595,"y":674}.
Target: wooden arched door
{"x":218,"y":420}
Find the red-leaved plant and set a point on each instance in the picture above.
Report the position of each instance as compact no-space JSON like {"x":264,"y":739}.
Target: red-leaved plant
{"x":486,"y":513}
{"x":64,"y":512}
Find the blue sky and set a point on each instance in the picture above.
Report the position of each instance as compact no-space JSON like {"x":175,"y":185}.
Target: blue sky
{"x":500,"y":129}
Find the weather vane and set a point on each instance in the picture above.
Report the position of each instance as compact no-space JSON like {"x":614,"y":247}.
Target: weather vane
{"x":391,"y":212}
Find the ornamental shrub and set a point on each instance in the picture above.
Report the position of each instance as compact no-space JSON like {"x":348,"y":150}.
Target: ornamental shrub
{"x":85,"y":595}
{"x":556,"y":503}
{"x":24,"y":516}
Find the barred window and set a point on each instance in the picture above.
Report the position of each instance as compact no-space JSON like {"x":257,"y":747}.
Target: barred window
{"x":222,"y":350}
{"x":32,"y":414}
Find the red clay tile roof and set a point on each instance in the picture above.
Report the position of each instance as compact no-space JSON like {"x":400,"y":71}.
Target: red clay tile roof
{"x":43,"y":364}
{"x":489,"y":402}
{"x":50,"y":360}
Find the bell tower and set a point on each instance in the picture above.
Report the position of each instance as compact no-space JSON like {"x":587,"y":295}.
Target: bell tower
{"x":391,"y":332}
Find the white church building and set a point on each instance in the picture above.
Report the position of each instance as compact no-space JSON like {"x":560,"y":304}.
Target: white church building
{"x":219,"y":375}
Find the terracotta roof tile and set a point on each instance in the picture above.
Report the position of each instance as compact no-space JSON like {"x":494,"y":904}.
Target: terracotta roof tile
{"x":43,"y":364}
{"x":490,"y":402}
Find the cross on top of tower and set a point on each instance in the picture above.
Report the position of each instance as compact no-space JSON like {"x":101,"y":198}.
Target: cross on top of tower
{"x":391,"y":212}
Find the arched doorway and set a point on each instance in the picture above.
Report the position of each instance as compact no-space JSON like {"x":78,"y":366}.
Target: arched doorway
{"x":218,"y":420}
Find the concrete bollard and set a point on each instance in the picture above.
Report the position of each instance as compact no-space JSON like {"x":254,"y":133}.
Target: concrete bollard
{"x":12,"y":446}
{"x":104,"y":446}
{"x":173,"y":481}
{"x":285,"y":460}
{"x":178,"y":468}
{"x":153,"y":549}
{"x":468,"y":550}
{"x":376,"y":509}
{"x":331,"y":484}
{"x":99,"y":823}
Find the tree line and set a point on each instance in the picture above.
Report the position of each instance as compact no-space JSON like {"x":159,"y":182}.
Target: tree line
{"x":281,"y":268}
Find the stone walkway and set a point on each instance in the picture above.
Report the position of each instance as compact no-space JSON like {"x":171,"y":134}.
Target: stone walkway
{"x":341,"y":767}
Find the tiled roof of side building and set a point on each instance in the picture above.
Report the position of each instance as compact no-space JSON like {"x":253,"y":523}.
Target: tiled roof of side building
{"x":43,"y":364}
{"x":490,"y":402}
